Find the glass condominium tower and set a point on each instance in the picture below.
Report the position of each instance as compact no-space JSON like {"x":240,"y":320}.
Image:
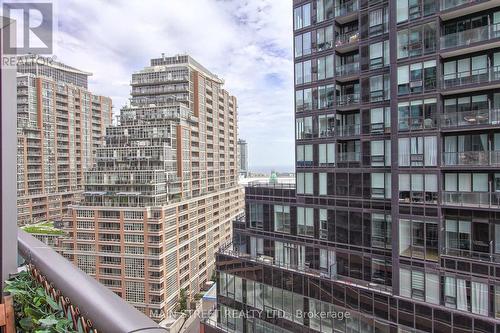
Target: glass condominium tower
{"x":395,"y":217}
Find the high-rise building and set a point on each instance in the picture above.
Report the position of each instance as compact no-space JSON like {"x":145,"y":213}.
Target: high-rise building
{"x":162,"y":194}
{"x":395,"y":218}
{"x":60,"y":123}
{"x":243,"y":157}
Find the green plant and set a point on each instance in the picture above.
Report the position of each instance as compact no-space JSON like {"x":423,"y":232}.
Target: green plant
{"x":182,"y":301}
{"x":36,"y":311}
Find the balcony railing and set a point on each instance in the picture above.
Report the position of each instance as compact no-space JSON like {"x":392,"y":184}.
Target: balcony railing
{"x":346,"y":8}
{"x":347,"y":38}
{"x":91,"y":306}
{"x":472,"y":199}
{"x":467,"y":37}
{"x":330,"y":273}
{"x":347,"y":69}
{"x":448,"y":4}
{"x":475,"y":255}
{"x":349,"y":130}
{"x":352,"y":156}
{"x":472,"y":158}
{"x":347,"y":99}
{"x":476,"y":76}
{"x":471,"y":118}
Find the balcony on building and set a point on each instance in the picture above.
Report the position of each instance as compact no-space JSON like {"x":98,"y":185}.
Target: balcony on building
{"x":348,"y":125}
{"x":451,"y":9}
{"x":90,"y":306}
{"x":348,"y":96}
{"x":346,"y":11}
{"x":346,"y":37}
{"x":470,"y":35}
{"x":478,"y":111}
{"x":349,"y":153}
{"x":471,"y":80}
{"x":480,"y":189}
{"x":295,"y":263}
{"x":471,"y":150}
{"x":347,"y":67}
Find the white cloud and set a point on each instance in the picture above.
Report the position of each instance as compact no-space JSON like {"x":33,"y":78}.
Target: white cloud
{"x":246,"y":42}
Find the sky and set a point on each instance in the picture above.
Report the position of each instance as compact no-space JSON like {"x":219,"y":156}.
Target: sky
{"x":248,"y":43}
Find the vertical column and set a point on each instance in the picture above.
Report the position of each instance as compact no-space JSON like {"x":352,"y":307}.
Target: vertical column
{"x":393,"y":56}
{"x":8,"y":134}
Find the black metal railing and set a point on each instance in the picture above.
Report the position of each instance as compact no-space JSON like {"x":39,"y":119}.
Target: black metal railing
{"x":91,"y":306}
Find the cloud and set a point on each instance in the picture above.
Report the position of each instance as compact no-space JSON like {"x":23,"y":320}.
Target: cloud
{"x":246,"y":42}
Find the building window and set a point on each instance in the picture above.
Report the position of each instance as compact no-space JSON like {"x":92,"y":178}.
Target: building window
{"x":303,"y":100}
{"x":304,"y":155}
{"x":418,"y":239}
{"x":303,"y":72}
{"x":418,"y":188}
{"x":326,"y":152}
{"x":378,"y":20}
{"x":324,"y":38}
{"x":379,"y":88}
{"x":415,"y":41}
{"x":326,"y":125}
{"x":302,"y":16}
{"x":256,"y":246}
{"x":414,"y":9}
{"x":324,"y":10}
{"x":419,"y":285}
{"x":417,"y":114}
{"x":380,"y":185}
{"x":467,"y":239}
{"x":256,"y":215}
{"x":379,"y":54}
{"x":380,"y":153}
{"x":466,"y":295}
{"x":282,"y":219}
{"x":325,"y":96}
{"x":325,"y":67}
{"x":381,"y":232}
{"x":323,"y":224}
{"x":303,"y":44}
{"x":417,"y":78}
{"x":417,"y":151}
{"x":304,"y":128}
{"x":289,"y":255}
{"x":305,"y":221}
{"x":323,"y":183}
{"x":305,"y":183}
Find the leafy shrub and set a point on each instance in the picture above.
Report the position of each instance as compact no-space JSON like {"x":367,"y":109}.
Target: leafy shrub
{"x":36,"y":311}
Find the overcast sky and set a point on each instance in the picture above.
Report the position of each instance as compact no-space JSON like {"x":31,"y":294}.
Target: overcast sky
{"x":246,"y":42}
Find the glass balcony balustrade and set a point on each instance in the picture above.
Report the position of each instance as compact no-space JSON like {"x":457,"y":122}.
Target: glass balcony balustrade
{"x":474,"y":76}
{"x":471,"y":118}
{"x":470,"y":36}
{"x":346,"y":8}
{"x":472,"y":199}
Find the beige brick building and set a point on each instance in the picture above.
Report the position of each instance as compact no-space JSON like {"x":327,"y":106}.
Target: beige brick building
{"x":59,"y":125}
{"x":163,"y":191}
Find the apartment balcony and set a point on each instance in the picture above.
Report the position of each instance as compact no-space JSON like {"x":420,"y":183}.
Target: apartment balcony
{"x":347,"y":42}
{"x":349,"y":130}
{"x":326,"y":273}
{"x":89,"y":305}
{"x":454,"y":8}
{"x":470,"y":40}
{"x":472,"y":158}
{"x":349,"y":157}
{"x":471,"y":119}
{"x":472,"y":199}
{"x":476,"y":79}
{"x":347,"y":71}
{"x":472,"y":255}
{"x":348,"y":101}
{"x":346,"y":11}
